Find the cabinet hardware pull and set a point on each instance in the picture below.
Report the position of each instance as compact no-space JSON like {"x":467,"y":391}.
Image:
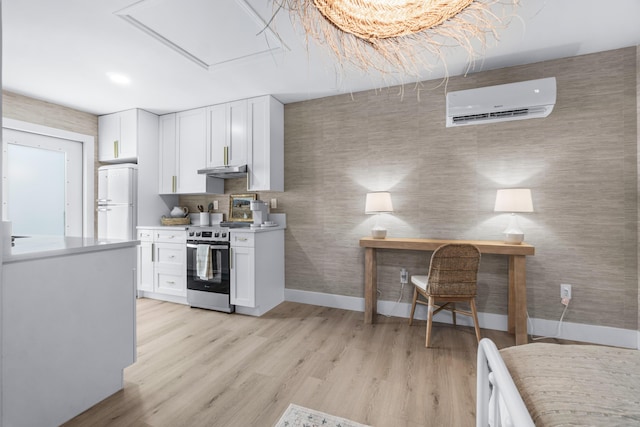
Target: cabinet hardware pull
{"x":153,"y":251}
{"x":115,"y":149}
{"x":174,"y":184}
{"x":171,"y":282}
{"x":230,"y":258}
{"x":226,"y":156}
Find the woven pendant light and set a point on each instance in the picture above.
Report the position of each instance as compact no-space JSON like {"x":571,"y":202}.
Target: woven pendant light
{"x":371,"y":20}
{"x":394,"y":35}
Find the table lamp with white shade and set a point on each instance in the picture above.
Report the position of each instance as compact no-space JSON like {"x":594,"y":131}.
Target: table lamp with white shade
{"x":378,"y":202}
{"x":514,"y":200}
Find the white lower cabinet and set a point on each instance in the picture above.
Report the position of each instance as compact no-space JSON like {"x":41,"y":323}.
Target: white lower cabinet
{"x":257,"y":271}
{"x":162,"y":259}
{"x":243,"y":276}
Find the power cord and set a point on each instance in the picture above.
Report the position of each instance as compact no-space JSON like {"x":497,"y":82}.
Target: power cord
{"x":404,"y":278}
{"x":565,"y":302}
{"x":397,"y":301}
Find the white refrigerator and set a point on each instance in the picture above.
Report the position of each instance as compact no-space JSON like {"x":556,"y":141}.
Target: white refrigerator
{"x":117,"y":195}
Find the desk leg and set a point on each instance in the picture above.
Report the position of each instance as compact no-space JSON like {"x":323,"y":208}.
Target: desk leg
{"x":370,"y":285}
{"x":518,"y":298}
{"x":511,"y":322}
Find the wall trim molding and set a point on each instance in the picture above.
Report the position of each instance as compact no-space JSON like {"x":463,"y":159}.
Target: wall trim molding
{"x":594,"y":334}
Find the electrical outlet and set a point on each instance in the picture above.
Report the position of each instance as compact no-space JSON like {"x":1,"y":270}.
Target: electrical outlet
{"x":404,"y":275}
{"x":565,"y":291}
{"x":274,"y":204}
{"x":215,"y":205}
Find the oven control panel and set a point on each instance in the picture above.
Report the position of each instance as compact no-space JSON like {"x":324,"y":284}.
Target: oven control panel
{"x":208,"y":234}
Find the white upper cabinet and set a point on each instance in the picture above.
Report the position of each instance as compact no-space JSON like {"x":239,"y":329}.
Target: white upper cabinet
{"x":228,"y":132}
{"x":246,"y":132}
{"x":168,"y":180}
{"x":265,"y":145}
{"x":191,"y":136}
{"x":118,"y":137}
{"x":183,"y":148}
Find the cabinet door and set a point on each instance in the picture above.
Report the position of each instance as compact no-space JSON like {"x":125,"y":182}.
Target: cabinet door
{"x":265,"y":145}
{"x":191,"y":127}
{"x":168,"y":161}
{"x":237,"y":140}
{"x":108,"y":137}
{"x":128,"y":145}
{"x":217,"y":116}
{"x":145,"y":266}
{"x":243,"y":288}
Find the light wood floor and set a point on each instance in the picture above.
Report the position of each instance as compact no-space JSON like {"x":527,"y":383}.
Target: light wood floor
{"x":204,"y":368}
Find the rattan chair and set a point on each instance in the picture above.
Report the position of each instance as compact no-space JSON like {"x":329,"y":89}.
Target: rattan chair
{"x":453,"y":276}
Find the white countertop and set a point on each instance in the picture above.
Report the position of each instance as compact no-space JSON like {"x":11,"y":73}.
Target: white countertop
{"x":36,"y":247}
{"x":280,"y":219}
{"x":163,"y":227}
{"x":256,"y":229}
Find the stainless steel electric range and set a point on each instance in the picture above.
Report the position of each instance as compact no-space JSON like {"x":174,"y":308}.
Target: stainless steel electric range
{"x":208,"y":274}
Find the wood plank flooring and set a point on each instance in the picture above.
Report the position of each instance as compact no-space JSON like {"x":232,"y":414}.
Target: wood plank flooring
{"x":204,"y":368}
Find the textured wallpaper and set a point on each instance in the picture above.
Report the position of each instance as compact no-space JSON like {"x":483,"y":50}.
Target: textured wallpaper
{"x":581,"y":164}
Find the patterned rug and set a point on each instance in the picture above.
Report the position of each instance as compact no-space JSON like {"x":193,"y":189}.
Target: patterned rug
{"x":299,"y":416}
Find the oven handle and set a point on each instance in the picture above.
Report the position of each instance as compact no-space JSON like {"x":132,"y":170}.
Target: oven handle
{"x":193,"y":246}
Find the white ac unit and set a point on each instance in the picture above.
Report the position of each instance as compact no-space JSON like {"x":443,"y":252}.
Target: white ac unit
{"x":514,"y":101}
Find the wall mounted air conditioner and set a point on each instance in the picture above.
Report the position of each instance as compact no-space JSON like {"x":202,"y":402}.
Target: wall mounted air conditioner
{"x":514,"y":101}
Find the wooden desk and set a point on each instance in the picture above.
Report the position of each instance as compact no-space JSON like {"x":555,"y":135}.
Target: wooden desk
{"x":517,"y":322}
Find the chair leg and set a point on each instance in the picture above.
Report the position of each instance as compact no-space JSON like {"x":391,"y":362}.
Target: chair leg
{"x":413,"y":305}
{"x":472,"y":303}
{"x":429,"y":320}
{"x":453,"y":313}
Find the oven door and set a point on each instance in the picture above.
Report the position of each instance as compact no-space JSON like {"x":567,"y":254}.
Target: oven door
{"x":219,"y":282}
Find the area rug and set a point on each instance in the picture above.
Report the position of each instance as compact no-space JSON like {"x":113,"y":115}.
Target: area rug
{"x":299,"y":416}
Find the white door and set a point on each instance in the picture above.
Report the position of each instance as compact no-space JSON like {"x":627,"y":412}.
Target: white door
{"x":42,"y":184}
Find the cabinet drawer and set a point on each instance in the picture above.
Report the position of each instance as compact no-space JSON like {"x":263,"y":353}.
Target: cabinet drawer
{"x":242,"y":239}
{"x":145,"y":235}
{"x":171,"y":236}
{"x":170,"y":254}
{"x":171,"y":282}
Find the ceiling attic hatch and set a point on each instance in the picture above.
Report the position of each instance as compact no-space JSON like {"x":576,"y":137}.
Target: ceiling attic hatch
{"x":200,"y":30}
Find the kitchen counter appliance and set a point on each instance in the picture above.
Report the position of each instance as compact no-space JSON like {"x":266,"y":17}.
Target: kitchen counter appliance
{"x":210,"y":285}
{"x":117,"y":196}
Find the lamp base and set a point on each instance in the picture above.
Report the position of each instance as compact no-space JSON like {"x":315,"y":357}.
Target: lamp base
{"x":513,"y":238}
{"x":379,"y":233}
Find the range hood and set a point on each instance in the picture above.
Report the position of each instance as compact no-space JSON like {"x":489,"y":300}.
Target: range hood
{"x":225,"y":172}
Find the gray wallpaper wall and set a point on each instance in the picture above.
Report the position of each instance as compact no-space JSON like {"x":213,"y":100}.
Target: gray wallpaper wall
{"x":581,"y":164}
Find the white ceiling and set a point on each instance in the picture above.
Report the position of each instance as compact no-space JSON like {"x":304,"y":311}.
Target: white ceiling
{"x":182,"y":54}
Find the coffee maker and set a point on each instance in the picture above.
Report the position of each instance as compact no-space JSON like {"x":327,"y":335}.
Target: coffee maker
{"x":260,"y":212}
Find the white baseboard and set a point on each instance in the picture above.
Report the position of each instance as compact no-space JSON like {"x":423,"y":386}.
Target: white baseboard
{"x":540,"y":327}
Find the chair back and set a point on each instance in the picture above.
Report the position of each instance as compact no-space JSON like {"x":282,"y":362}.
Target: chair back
{"x":454,"y":270}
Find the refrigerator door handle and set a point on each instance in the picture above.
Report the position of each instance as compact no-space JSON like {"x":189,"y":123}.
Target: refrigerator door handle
{"x":103,"y":209}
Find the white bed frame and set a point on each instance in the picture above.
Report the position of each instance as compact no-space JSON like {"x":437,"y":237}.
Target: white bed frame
{"x":498,"y":403}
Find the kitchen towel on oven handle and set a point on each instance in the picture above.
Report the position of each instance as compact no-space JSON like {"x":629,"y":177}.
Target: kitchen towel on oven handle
{"x":204,"y":269}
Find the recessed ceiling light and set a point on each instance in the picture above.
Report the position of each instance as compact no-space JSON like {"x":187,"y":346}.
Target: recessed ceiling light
{"x":118,"y":78}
